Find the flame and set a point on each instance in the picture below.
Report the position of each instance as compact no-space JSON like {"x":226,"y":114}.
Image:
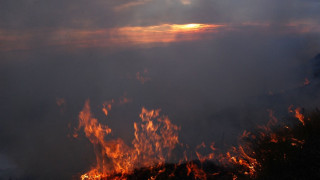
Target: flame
{"x":239,"y":157}
{"x":107,"y":107}
{"x":154,"y":139}
{"x":209,"y":156}
{"x":298,"y":114}
{"x":198,"y":173}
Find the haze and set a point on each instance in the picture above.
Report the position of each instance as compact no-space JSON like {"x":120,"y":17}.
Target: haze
{"x":213,"y":67}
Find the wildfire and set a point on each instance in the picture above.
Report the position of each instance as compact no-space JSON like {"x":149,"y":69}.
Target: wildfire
{"x":155,"y":138}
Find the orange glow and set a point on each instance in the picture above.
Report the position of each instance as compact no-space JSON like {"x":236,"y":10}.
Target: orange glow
{"x":107,"y":107}
{"x":128,"y":36}
{"x":299,"y":116}
{"x":273,"y":120}
{"x":124,"y":100}
{"x":142,"y":76}
{"x":62,"y":104}
{"x":306,"y":81}
{"x":304,"y":26}
{"x":109,"y":37}
{"x":60,"y":101}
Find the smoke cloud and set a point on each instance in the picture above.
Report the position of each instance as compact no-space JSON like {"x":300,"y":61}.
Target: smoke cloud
{"x":213,"y":87}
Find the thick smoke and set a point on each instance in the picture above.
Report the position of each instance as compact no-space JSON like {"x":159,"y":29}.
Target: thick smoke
{"x":212,"y":88}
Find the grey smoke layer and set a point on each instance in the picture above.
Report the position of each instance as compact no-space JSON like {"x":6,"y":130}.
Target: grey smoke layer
{"x":212,"y":88}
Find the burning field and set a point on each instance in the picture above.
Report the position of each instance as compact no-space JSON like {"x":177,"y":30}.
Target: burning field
{"x":280,"y":149}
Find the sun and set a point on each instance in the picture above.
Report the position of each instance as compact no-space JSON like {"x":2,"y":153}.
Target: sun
{"x":190,"y":26}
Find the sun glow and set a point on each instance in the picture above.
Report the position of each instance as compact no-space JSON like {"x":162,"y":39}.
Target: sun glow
{"x":125,"y":36}
{"x":167,"y":33}
{"x":190,"y":26}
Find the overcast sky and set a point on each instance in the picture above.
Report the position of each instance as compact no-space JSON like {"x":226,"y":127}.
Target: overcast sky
{"x":213,"y":78}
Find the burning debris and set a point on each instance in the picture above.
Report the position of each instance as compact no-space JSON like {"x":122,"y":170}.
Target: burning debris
{"x":272,"y":150}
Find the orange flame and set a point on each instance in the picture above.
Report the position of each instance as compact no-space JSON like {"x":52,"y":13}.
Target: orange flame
{"x":155,"y":138}
{"x":239,"y":157}
{"x":198,"y":173}
{"x":209,"y":156}
{"x":298,"y":114}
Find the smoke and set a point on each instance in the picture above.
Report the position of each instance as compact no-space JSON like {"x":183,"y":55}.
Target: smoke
{"x":213,"y":87}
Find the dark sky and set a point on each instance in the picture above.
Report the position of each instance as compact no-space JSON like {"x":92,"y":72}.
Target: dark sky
{"x":214,"y":80}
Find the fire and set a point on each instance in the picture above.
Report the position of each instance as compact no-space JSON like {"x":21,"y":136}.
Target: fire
{"x":198,"y":173}
{"x":209,"y":156}
{"x":239,"y":157}
{"x":107,"y":107}
{"x":298,"y":114}
{"x":154,"y":139}
{"x":92,"y":128}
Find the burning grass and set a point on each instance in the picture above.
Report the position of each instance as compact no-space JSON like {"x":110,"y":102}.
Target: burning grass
{"x":296,"y":154}
{"x":289,"y":149}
